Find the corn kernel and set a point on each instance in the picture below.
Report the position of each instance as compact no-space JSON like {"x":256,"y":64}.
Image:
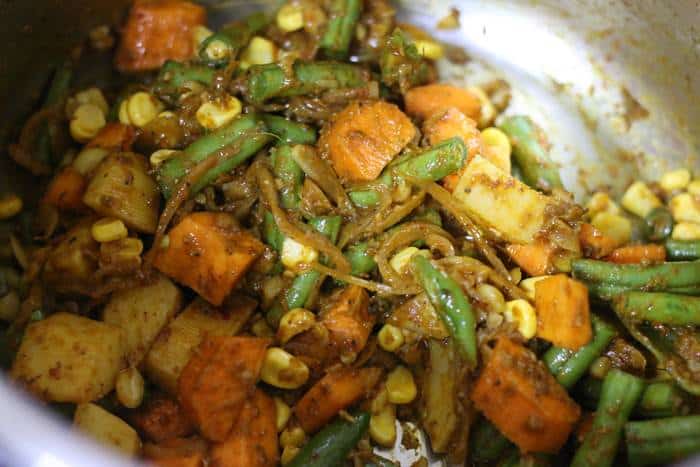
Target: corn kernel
{"x":166,"y":114}
{"x":294,"y":436}
{"x":283,"y":413}
{"x":499,"y":147}
{"x":675,"y":180}
{"x":129,"y":387}
{"x":160,"y":156}
{"x":686,"y":231}
{"x":261,"y":328}
{"x":260,"y":51}
{"x":516,"y":275}
{"x":89,"y":158}
{"x":390,"y":338}
{"x":123,"y":113}
{"x":294,"y":322}
{"x":382,"y":426}
{"x":141,"y":108}
{"x":488,"y":110}
{"x":528,"y":285}
{"x":400,"y":386}
{"x":601,"y":202}
{"x":429,"y":49}
{"x":290,"y":18}
{"x":87,"y":120}
{"x":523,"y":315}
{"x":108,"y":230}
{"x":614,"y":226}
{"x":639,"y":199}
{"x":283,"y":370}
{"x":10,"y":206}
{"x":295,"y":253}
{"x":694,"y":188}
{"x":93,"y":96}
{"x":288,"y":454}
{"x":492,"y":297}
{"x":215,"y":114}
{"x":199,"y":35}
{"x":401,"y":260}
{"x":685,"y":208}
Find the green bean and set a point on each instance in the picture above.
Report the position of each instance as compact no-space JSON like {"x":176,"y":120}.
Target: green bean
{"x":328,"y":226}
{"x":682,"y":249}
{"x":658,"y":224}
{"x":531,"y":154}
{"x":487,"y":443}
{"x":364,"y":198}
{"x":665,"y":308}
{"x":659,"y":277}
{"x":619,"y":395}
{"x":330,"y":446}
{"x":429,"y":215}
{"x":569,"y":366}
{"x":290,"y":174}
{"x":401,"y":65}
{"x":606,"y":291}
{"x":232,"y":38}
{"x":272,"y":80}
{"x":58,"y":90}
{"x":340,"y":29}
{"x":247,"y":134}
{"x":434,"y":164}
{"x":174,"y":75}
{"x":663,"y":441}
{"x":271,"y":233}
{"x":288,"y":131}
{"x":361,"y":261}
{"x":448,"y":299}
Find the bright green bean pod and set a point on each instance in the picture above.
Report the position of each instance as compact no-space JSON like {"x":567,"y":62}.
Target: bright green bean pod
{"x":288,"y":131}
{"x":340,"y":29}
{"x":271,"y":233}
{"x":682,"y":249}
{"x":531,"y":154}
{"x":606,"y":291}
{"x":569,"y":366}
{"x":361,"y":262}
{"x":290,"y":174}
{"x":328,"y":226}
{"x":664,"y":308}
{"x":619,"y":395}
{"x":364,"y":198}
{"x":174,"y":75}
{"x":224,"y":45}
{"x":658,"y":277}
{"x":486,"y":443}
{"x":663,"y":441}
{"x":449,"y":300}
{"x":434,"y":164}
{"x":58,"y":90}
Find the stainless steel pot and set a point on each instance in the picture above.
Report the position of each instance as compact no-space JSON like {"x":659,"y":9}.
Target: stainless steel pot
{"x":613,"y":83}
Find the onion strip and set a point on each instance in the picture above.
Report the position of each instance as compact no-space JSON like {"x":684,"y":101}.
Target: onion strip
{"x":376,"y":287}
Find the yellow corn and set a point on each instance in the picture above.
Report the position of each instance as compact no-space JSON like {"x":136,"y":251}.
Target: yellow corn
{"x":161,"y":155}
{"x":294,"y":322}
{"x":129,"y":388}
{"x":108,"y":230}
{"x":382,"y":426}
{"x":10,"y":206}
{"x":639,"y":199}
{"x":292,"y":436}
{"x":601,"y":202}
{"x":9,"y":306}
{"x":260,"y":51}
{"x":290,"y":18}
{"x":516,"y":275}
{"x":694,"y":188}
{"x":261,"y":328}
{"x":89,"y":158}
{"x":498,"y":145}
{"x":283,"y":413}
{"x":402,"y":191}
{"x":429,"y":49}
{"x":215,"y":114}
{"x":400,"y":261}
{"x":686,"y":231}
{"x":283,"y":370}
{"x":528,"y":285}
{"x":93,"y":96}
{"x":400,"y":386}
{"x":492,"y":297}
{"x":488,"y":110}
{"x":295,"y":253}
{"x":87,"y":120}
{"x":675,"y":180}
{"x":288,"y":454}
{"x":614,"y":226}
{"x":200,"y":34}
{"x":390,"y":338}
{"x":139,"y":109}
{"x":685,"y":208}
{"x":523,"y":315}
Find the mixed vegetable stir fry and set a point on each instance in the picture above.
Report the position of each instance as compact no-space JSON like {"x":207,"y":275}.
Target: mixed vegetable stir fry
{"x":278,"y":242}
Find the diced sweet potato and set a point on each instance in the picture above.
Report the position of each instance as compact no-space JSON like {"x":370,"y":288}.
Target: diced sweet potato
{"x":563,"y":315}
{"x":523,"y":400}
{"x":333,"y":393}
{"x":116,"y":136}
{"x":362,"y":139}
{"x":534,"y":258}
{"x":161,"y":419}
{"x":66,"y":190}
{"x":348,"y":320}
{"x":424,"y":101}
{"x":638,"y":254}
{"x":594,"y":243}
{"x":253,"y":442}
{"x":219,"y":378}
{"x":208,"y":252}
{"x":156,"y":31}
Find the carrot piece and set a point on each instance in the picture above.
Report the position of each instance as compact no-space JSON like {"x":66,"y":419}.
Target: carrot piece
{"x":638,"y":254}
{"x":66,"y":190}
{"x":115,"y":136}
{"x":253,"y":443}
{"x":333,"y":393}
{"x":161,"y":419}
{"x":348,"y":320}
{"x":219,"y":378}
{"x":193,"y":460}
{"x":594,"y":243}
{"x":534,"y":258}
{"x":363,"y":138}
{"x":424,"y":101}
{"x":523,"y":400}
{"x":157,"y":31}
{"x":563,"y":315}
{"x":208,"y":252}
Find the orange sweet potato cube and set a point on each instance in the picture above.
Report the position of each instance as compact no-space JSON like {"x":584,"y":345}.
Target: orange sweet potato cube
{"x":563,"y":314}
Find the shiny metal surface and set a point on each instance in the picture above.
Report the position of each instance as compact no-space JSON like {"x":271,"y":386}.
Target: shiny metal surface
{"x":612,"y":82}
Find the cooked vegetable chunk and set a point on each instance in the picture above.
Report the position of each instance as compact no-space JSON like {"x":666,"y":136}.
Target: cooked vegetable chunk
{"x":71,"y":265}
{"x":424,"y":101}
{"x":66,"y":190}
{"x":208,"y":252}
{"x":348,"y":320}
{"x":106,"y":428}
{"x":162,"y":419}
{"x":563,"y":314}
{"x":142,"y":312}
{"x":68,"y":358}
{"x":175,"y":344}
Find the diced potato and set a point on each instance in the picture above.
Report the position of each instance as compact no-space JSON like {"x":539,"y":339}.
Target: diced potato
{"x":600,"y":202}
{"x":685,"y":208}
{"x":439,"y":405}
{"x":174,"y":346}
{"x":639,"y":199}
{"x":613,"y":226}
{"x":106,"y":428}
{"x":500,"y":202}
{"x":142,"y":312}
{"x":69,"y":358}
{"x":122,"y":188}
{"x":71,"y":264}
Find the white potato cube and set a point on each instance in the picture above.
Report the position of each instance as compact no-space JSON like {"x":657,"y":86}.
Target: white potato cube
{"x":639,"y":199}
{"x":107,"y":429}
